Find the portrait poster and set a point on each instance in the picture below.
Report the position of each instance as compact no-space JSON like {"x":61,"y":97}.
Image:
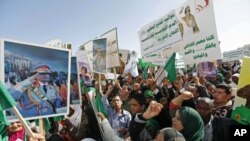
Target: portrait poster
{"x":37,"y":77}
{"x":197,"y":25}
{"x":84,"y":71}
{"x":112,"y":48}
{"x":244,"y":81}
{"x":88,"y":47}
{"x":99,"y":56}
{"x":206,"y":69}
{"x":74,"y":87}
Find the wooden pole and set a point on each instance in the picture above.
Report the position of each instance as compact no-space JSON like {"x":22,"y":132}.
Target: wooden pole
{"x":25,"y":125}
{"x":114,"y":69}
{"x":41,"y":126}
{"x":99,"y":83}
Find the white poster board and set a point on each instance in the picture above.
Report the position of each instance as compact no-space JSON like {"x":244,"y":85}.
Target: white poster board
{"x":88,"y":47}
{"x":159,"y":34}
{"x":112,"y":48}
{"x":199,"y":33}
{"x":192,"y":25}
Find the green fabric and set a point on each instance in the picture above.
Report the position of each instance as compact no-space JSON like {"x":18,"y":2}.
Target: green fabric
{"x":58,"y":118}
{"x":99,"y":105}
{"x":3,"y":132}
{"x":152,"y":126}
{"x":46,"y":124}
{"x":148,"y":93}
{"x":192,"y":123}
{"x":170,"y":68}
{"x":6,"y":101}
{"x":91,"y":90}
{"x":145,"y":73}
{"x":82,"y":87}
{"x":241,"y":115}
{"x":220,"y":76}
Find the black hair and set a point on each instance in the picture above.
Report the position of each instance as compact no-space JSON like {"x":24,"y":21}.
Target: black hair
{"x":140,"y":98}
{"x":85,"y":69}
{"x":226,"y":87}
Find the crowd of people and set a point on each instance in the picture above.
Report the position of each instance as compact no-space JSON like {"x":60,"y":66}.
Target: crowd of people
{"x":191,"y":108}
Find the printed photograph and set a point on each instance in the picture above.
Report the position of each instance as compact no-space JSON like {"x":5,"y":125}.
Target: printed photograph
{"x":37,"y":79}
{"x":74,"y":88}
{"x":99,"y":55}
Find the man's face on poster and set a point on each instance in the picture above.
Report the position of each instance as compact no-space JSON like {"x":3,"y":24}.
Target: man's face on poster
{"x":43,"y":77}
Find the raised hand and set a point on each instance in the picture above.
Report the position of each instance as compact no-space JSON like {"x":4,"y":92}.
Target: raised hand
{"x":153,"y":110}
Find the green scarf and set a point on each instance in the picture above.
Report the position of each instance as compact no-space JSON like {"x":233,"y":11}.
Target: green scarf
{"x":192,"y":123}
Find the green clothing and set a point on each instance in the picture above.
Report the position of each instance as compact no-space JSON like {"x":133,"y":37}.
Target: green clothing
{"x":192,"y":123}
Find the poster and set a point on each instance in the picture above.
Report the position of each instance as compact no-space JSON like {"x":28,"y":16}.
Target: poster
{"x":155,"y":58}
{"x":198,"y":31}
{"x":74,"y":87}
{"x":159,"y":34}
{"x":99,"y":56}
{"x":112,"y":48}
{"x":206,"y":69}
{"x":88,"y":47}
{"x":37,"y":77}
{"x":192,"y":25}
{"x":84,"y":70}
{"x":244,"y":80}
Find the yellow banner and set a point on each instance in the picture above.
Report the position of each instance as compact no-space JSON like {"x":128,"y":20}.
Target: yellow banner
{"x":244,"y":80}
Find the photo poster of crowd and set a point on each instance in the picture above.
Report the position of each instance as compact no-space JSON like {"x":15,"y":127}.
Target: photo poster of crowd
{"x":74,"y":87}
{"x":37,"y":78}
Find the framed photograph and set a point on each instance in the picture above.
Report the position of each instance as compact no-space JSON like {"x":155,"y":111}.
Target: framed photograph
{"x":37,"y":77}
{"x":100,"y":56}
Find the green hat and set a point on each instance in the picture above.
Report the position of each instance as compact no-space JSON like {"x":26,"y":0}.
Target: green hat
{"x":149,"y":93}
{"x":91,"y":90}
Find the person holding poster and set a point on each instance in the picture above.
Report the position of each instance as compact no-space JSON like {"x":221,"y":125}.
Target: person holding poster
{"x":188,"y":22}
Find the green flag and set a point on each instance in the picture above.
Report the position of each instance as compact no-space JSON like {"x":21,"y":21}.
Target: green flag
{"x":58,"y":118}
{"x":99,"y":105}
{"x":170,"y":68}
{"x":46,"y":123}
{"x":6,"y":101}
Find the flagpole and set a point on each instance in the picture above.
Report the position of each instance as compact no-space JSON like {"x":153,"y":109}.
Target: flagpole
{"x":41,"y":126}
{"x":114,"y":69}
{"x":99,"y":82}
{"x":21,"y":119}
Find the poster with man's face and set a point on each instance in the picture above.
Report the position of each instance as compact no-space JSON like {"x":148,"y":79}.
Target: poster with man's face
{"x":99,"y":56}
{"x":37,"y":77}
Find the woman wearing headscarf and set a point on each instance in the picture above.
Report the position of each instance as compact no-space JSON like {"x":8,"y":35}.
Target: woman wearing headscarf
{"x":186,"y":120}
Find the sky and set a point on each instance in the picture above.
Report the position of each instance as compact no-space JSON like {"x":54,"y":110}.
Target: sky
{"x":78,"y":21}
